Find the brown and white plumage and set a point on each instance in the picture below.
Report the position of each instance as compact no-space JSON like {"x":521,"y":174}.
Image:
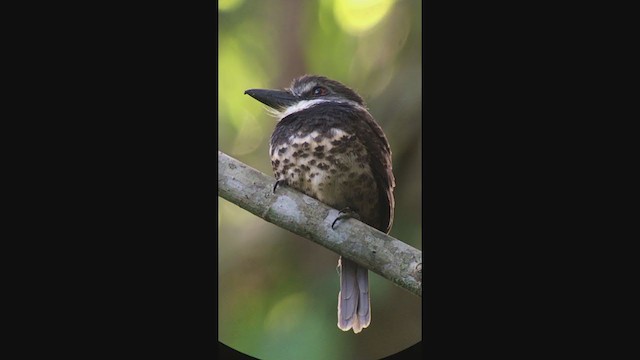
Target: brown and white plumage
{"x":328,"y":146}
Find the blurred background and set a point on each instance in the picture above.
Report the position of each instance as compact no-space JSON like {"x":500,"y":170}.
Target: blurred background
{"x":278,"y":292}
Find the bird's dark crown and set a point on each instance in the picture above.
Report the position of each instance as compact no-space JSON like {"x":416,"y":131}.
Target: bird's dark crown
{"x":309,"y":87}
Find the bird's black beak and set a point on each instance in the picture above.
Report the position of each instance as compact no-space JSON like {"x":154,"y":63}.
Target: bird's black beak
{"x":276,"y":99}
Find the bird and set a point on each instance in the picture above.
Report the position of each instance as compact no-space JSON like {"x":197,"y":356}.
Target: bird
{"x":327,"y":145}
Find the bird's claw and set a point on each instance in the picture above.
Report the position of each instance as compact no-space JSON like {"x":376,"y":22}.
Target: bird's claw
{"x":275,"y":186}
{"x":345,"y":214}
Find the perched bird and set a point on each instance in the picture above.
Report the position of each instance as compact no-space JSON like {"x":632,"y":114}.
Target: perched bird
{"x":327,"y":145}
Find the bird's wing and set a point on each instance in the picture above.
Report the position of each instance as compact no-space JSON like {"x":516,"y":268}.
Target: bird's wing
{"x":380,"y":161}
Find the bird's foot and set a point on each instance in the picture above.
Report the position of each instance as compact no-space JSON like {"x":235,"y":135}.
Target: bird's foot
{"x":345,"y":214}
{"x":275,"y":186}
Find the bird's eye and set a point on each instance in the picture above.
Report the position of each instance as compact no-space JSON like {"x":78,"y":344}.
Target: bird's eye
{"x":319,"y":91}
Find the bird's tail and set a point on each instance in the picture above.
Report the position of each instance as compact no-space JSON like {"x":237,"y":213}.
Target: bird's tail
{"x":354,"y":306}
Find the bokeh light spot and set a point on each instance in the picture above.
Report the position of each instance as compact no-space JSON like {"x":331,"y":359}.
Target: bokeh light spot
{"x":228,"y":5}
{"x":357,"y":16}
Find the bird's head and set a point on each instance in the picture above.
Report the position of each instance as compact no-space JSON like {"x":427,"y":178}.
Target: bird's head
{"x":304,"y":92}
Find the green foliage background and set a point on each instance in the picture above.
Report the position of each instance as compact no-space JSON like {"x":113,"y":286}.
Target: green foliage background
{"x":278,"y":292}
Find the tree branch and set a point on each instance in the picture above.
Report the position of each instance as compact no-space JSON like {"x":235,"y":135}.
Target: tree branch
{"x":303,"y":215}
